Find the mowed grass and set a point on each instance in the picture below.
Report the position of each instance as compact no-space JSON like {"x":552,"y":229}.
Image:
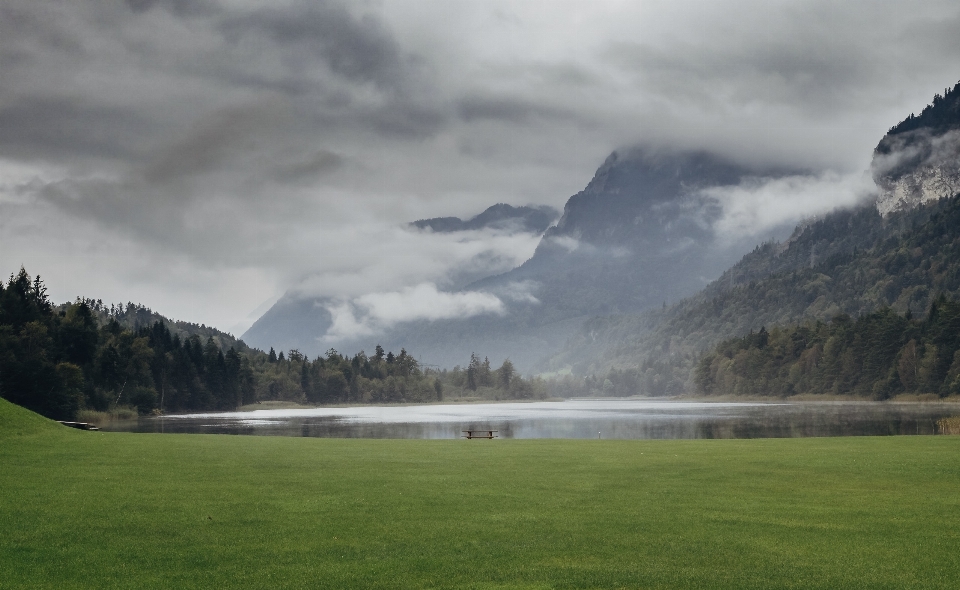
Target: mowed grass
{"x":89,"y":509}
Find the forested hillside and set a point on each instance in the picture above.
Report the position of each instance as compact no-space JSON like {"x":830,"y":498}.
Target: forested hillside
{"x":878,"y":355}
{"x":941,"y":115}
{"x":900,"y":252}
{"x":134,"y":315}
{"x":850,"y":262}
{"x":80,"y":355}
{"x":85,"y":355}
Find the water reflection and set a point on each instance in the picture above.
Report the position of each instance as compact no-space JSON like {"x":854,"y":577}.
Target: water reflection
{"x":610,"y":419}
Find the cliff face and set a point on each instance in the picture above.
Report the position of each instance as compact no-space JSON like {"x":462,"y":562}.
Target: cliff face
{"x":921,"y":167}
{"x":919,"y":159}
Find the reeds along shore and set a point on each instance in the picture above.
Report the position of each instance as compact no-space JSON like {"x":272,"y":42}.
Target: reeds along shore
{"x":949,"y":425}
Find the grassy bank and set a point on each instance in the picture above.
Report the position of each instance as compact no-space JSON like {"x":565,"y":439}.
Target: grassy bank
{"x":82,"y":509}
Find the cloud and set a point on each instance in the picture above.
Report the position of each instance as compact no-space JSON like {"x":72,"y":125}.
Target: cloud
{"x":758,"y":205}
{"x":507,"y":110}
{"x":316,"y":164}
{"x":913,"y":149}
{"x":519,"y":292}
{"x":361,"y":49}
{"x":374,"y":312}
{"x":233,"y":132}
{"x":565,"y":242}
{"x":783,"y":82}
{"x":263,"y":148}
{"x":385,"y":257}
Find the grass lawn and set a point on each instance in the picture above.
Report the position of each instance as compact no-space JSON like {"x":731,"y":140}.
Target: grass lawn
{"x":91,"y":509}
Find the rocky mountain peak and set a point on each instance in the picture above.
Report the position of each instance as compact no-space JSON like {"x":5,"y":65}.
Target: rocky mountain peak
{"x":640,"y":195}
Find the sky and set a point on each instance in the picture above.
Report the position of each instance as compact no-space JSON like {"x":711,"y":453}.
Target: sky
{"x":202,"y":157}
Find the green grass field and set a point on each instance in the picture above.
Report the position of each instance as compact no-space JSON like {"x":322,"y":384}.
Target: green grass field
{"x":89,"y":509}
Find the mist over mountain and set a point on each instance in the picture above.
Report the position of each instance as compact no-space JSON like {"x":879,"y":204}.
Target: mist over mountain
{"x":644,"y":232}
{"x":652,"y":228}
{"x":499,"y":216}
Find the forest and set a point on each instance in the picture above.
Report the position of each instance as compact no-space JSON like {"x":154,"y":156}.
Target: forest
{"x":878,"y":356}
{"x":59,"y":360}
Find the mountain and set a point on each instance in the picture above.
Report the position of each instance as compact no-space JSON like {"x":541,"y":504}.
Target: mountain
{"x":607,"y":284}
{"x":898,"y":253}
{"x":294,"y":322}
{"x":850,"y":262}
{"x":500,"y":216}
{"x":640,"y":234}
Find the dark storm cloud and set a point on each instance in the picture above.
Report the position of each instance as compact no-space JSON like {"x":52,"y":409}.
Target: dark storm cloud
{"x":213,"y":140}
{"x":508,"y":110}
{"x":165,"y":65}
{"x":60,"y":128}
{"x":359,"y":49}
{"x":22,"y":21}
{"x":356,"y":51}
{"x":316,"y":164}
{"x":178,"y":7}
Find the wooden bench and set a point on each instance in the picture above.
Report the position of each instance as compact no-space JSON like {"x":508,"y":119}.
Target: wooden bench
{"x":480,"y":433}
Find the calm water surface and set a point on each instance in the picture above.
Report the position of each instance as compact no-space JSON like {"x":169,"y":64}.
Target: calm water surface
{"x":610,"y":419}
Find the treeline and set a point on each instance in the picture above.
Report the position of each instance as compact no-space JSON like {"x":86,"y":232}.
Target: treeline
{"x":86,"y":355}
{"x":59,"y":361}
{"x":651,"y":378}
{"x":942,"y":114}
{"x":381,"y":378}
{"x":479,"y":380}
{"x":878,"y":355}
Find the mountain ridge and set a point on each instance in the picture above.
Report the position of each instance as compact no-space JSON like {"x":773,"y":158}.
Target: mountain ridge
{"x":500,"y":216}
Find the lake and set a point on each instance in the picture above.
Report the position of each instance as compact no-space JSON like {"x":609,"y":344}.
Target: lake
{"x":578,"y":418}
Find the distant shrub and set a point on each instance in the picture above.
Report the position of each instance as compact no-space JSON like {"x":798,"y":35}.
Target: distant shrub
{"x":949,"y":425}
{"x":100,"y":418}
